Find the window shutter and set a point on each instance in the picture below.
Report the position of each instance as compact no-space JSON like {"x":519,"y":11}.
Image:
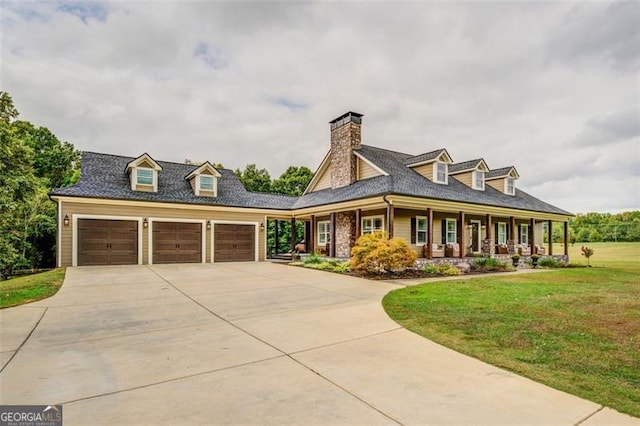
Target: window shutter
{"x":519,"y":233}
{"x":508,"y":229}
{"x":496,"y":231}
{"x":413,"y":230}
{"x":444,"y":231}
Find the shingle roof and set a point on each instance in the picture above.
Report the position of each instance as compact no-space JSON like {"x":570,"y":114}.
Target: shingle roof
{"x":403,"y":180}
{"x":503,"y":171}
{"x":466,"y":165}
{"x":102,"y":176}
{"x":423,"y":157}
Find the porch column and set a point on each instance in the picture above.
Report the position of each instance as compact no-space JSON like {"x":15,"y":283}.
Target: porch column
{"x":358,"y":223}
{"x":293,"y":234}
{"x":550,"y":232}
{"x":512,"y":229}
{"x":461,"y":242}
{"x":311,"y":243}
{"x":332,"y":244}
{"x":390,"y":218}
{"x":276,"y":236}
{"x":492,"y":249}
{"x":429,"y":233}
{"x":532,"y":234}
{"x":566,"y":238}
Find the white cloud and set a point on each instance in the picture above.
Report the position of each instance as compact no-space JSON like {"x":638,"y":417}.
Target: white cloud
{"x":548,"y":87}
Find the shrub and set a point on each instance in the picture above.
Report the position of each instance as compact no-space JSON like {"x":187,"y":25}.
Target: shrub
{"x":312,"y":259}
{"x":342,"y":267}
{"x":550,"y":262}
{"x":441,"y":269}
{"x":487,"y":264}
{"x":376,"y":253}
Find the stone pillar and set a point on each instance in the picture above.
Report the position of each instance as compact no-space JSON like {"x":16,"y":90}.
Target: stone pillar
{"x":332,"y":245}
{"x":345,"y":233}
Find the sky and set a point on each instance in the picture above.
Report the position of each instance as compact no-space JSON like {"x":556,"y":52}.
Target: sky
{"x":550,"y":87}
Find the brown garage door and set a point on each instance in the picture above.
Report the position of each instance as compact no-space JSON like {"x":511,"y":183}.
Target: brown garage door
{"x":177,"y":242}
{"x":107,"y":242}
{"x":234,"y":243}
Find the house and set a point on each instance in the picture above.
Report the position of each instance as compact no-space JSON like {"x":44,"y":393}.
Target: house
{"x":142,"y":211}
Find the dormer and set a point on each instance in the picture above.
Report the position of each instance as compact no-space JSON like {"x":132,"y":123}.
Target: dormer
{"x":143,"y":173}
{"x":433,"y":165}
{"x":504,"y":179}
{"x":204,"y":180}
{"x":471,"y":173}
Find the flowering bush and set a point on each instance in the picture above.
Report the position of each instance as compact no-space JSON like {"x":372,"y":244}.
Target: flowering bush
{"x":376,"y":253}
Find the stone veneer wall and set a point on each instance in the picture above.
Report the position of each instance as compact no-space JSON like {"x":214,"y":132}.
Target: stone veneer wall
{"x":345,"y":233}
{"x":420,"y":262}
{"x":344,"y":140}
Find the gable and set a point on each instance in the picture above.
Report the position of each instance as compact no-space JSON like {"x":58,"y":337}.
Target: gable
{"x":322,"y":177}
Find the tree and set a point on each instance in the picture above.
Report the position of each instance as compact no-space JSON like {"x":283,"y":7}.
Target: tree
{"x":254,"y":179}
{"x":293,"y":181}
{"x":8,"y":112}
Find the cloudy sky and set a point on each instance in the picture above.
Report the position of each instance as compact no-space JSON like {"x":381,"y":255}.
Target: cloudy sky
{"x":551,"y":88}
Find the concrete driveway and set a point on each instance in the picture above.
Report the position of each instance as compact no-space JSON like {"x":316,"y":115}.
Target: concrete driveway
{"x":252,"y":343}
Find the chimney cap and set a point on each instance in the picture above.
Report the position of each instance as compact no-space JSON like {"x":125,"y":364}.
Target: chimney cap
{"x":345,"y":118}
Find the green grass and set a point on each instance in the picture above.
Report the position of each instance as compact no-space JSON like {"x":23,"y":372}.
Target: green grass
{"x":575,"y":329}
{"x":30,"y":288}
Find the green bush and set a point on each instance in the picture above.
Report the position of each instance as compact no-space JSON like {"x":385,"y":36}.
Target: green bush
{"x":488,"y":264}
{"x":441,"y":269}
{"x":312,"y":259}
{"x":550,"y":262}
{"x":342,"y":267}
{"x":376,"y":253}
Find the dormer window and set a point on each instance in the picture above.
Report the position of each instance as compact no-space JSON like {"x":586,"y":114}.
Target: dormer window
{"x":204,"y":180}
{"x":143,"y":173}
{"x":144,"y":176}
{"x":510,"y":186}
{"x":440,"y":173}
{"x":206,"y":183}
{"x":478,"y":180}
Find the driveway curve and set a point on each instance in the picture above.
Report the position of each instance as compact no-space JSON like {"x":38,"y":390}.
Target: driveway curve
{"x":252,"y":343}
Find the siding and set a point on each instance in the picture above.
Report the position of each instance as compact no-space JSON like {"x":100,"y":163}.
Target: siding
{"x":425,"y":170}
{"x":496,"y":183}
{"x":157,"y":213}
{"x":365,"y":171}
{"x":324,"y":182}
{"x":465,"y":178}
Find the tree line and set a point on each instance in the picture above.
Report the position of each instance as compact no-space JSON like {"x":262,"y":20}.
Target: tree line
{"x":596,"y":227}
{"x":33,"y":161}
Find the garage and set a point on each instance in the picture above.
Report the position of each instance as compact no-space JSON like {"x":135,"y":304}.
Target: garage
{"x":107,"y":242}
{"x":234,"y":243}
{"x":177,"y":242}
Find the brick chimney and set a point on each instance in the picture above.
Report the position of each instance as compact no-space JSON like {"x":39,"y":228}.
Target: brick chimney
{"x":345,"y":137}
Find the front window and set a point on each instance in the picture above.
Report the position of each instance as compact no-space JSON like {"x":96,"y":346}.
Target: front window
{"x":372,"y":224}
{"x":144,"y":176}
{"x":452,"y":231}
{"x":206,"y":183}
{"x":511,"y":186}
{"x":524,"y":234}
{"x":324,"y":232}
{"x":478,"y":180}
{"x":421,"y":230}
{"x":502,"y":233}
{"x":441,"y":173}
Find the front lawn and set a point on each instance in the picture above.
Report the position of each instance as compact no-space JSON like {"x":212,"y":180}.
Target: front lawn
{"x":30,"y":288}
{"x":577,"y":330}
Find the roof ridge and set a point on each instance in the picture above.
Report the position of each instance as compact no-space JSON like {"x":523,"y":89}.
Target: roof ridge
{"x":388,"y":150}
{"x":160,"y":161}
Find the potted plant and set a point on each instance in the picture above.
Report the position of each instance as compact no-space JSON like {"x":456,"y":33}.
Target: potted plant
{"x":515,"y":258}
{"x":534,"y":260}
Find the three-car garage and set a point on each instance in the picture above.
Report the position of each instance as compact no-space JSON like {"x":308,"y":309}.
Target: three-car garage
{"x":102,"y":240}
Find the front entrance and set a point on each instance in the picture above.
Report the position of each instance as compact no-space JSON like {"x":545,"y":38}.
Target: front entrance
{"x":177,"y":242}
